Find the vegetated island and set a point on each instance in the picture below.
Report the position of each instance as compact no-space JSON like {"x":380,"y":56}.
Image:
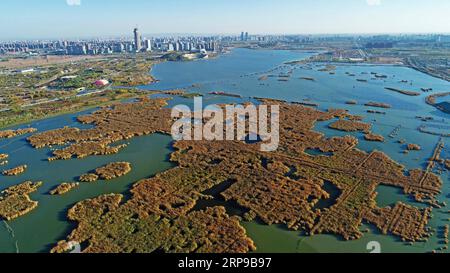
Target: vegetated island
{"x":308,"y":79}
{"x":305,"y":103}
{"x":113,"y":170}
{"x":378,"y":104}
{"x":3,"y":159}
{"x":413,"y":147}
{"x":108,"y":172}
{"x":15,"y":201}
{"x":191,"y":95}
{"x":404,"y":92}
{"x":282,"y":187}
{"x":376,"y":112}
{"x":15,"y":171}
{"x":89,"y":178}
{"x":443,"y":106}
{"x":374,"y":137}
{"x":64,"y":188}
{"x":225,"y":94}
{"x":350,"y":126}
{"x":18,"y":132}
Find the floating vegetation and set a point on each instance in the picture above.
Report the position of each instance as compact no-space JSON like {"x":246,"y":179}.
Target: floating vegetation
{"x":108,"y":172}
{"x":176,"y":92}
{"x":404,"y":92}
{"x":15,"y":200}
{"x":446,"y":232}
{"x":374,"y":137}
{"x":113,"y":124}
{"x":3,"y":159}
{"x":64,"y":188}
{"x":14,"y":133}
{"x":113,"y":170}
{"x":351,"y":102}
{"x":15,"y":171}
{"x":378,"y":104}
{"x":447,"y":164}
{"x":309,"y":104}
{"x":84,"y":149}
{"x":191,"y":95}
{"x":350,"y":126}
{"x":308,"y":79}
{"x":402,"y":220}
{"x":376,"y":112}
{"x":225,"y":94}
{"x":413,"y":147}
{"x":90,"y":177}
{"x":283,"y":187}
{"x":104,"y":222}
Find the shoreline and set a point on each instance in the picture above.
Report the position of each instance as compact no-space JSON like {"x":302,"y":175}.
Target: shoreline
{"x":110,"y":88}
{"x":155,"y":80}
{"x":10,"y":126}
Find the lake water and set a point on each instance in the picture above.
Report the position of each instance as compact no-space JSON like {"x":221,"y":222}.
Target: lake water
{"x":239,"y":72}
{"x":41,"y":228}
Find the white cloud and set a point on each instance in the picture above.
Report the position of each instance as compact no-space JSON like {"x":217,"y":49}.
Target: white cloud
{"x":373,"y":2}
{"x":73,"y":2}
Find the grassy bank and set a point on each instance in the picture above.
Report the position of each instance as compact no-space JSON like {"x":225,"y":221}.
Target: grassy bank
{"x":26,"y":115}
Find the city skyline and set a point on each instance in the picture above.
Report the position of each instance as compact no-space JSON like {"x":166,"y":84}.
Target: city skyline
{"x":93,"y":18}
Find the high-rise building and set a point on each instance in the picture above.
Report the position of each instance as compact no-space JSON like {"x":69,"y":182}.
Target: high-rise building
{"x":246,"y":36}
{"x":137,"y":40}
{"x":177,"y":46}
{"x":148,"y":45}
{"x":242,"y":36}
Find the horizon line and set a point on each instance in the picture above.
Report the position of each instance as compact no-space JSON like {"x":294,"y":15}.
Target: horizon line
{"x":173,"y":34}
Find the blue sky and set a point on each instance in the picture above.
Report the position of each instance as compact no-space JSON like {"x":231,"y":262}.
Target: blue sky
{"x":22,"y":19}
